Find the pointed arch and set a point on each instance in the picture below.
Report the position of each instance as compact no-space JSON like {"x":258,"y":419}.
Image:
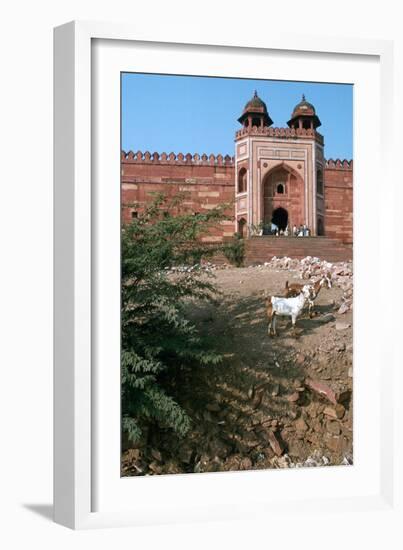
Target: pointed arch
{"x":282,"y":187}
{"x":242,"y":180}
{"x":285,"y":166}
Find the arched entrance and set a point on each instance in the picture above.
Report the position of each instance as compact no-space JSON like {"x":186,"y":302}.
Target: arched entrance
{"x":280,"y":218}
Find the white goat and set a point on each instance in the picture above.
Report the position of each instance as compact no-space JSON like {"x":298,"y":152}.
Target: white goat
{"x":289,"y":307}
{"x":294,"y":289}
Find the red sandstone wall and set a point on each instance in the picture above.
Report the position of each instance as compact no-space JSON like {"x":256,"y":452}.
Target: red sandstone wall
{"x":209,"y":181}
{"x":206,"y":181}
{"x":338,"y":180}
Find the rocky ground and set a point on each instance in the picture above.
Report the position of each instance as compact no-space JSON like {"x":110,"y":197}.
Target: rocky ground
{"x":273,"y":402}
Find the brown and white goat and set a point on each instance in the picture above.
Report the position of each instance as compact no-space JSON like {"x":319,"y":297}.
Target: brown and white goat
{"x":294,"y":289}
{"x":289,"y":307}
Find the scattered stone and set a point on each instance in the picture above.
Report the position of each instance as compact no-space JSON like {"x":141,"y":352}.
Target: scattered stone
{"x":275,"y":390}
{"x":172,"y":467}
{"x":266,"y":422}
{"x":293,"y":397}
{"x":249,"y":440}
{"x":281,"y":461}
{"x":343,"y":309}
{"x":316,"y":425}
{"x":232,"y":463}
{"x":322,"y":389}
{"x":335,"y":412}
{"x":156,"y":454}
{"x":301,"y":425}
{"x":155,"y":467}
{"x":245,"y":464}
{"x":133,"y":454}
{"x":347,"y":461}
{"x":314,"y":460}
{"x":275,"y":443}
{"x":333,"y":427}
{"x":333,"y":442}
{"x":257,"y":400}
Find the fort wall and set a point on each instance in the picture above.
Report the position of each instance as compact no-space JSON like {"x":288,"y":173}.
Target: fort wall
{"x":209,"y":180}
{"x":338,"y":181}
{"x":205,"y":181}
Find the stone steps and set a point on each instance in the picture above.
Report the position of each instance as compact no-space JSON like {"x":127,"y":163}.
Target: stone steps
{"x":262,"y":249}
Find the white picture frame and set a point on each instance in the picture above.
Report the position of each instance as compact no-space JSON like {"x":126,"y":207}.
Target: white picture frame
{"x":87,"y":491}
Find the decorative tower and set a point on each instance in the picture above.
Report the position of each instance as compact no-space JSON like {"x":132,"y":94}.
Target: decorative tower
{"x":255,"y":113}
{"x":304,"y":116}
{"x":278,"y":171}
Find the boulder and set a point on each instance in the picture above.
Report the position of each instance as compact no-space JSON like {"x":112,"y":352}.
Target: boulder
{"x":322,"y":389}
{"x":275,"y":443}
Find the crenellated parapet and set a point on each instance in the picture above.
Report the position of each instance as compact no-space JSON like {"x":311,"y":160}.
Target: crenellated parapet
{"x":177,"y":159}
{"x":284,"y":133}
{"x":338,"y":164}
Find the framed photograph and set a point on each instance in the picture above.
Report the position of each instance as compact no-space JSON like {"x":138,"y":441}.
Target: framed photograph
{"x":220,"y":276}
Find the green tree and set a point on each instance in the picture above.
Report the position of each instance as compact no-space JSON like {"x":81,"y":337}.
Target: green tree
{"x":234,"y":250}
{"x":162,"y":252}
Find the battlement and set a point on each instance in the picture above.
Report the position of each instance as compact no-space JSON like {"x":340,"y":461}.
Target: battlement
{"x":177,"y":159}
{"x":338,"y":164}
{"x":216,"y":160}
{"x":284,"y":133}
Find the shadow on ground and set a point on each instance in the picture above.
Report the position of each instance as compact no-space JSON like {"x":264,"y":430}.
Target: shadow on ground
{"x":43,"y":510}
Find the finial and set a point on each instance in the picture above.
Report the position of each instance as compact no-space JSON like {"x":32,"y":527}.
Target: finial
{"x":303,"y":97}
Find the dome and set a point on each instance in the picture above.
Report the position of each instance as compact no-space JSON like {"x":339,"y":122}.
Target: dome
{"x":305,"y":111}
{"x":303,"y":108}
{"x":256,"y":106}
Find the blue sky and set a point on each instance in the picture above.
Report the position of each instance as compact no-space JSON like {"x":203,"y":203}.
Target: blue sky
{"x":192,"y":114}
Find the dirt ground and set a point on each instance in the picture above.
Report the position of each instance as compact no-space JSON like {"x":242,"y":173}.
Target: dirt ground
{"x":273,"y":402}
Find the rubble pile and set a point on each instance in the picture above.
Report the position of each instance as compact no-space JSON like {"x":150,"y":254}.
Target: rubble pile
{"x":316,"y":459}
{"x":311,"y":417}
{"x":274,"y":403}
{"x":318,"y":416}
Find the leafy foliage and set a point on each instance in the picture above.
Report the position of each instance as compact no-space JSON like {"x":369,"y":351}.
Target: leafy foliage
{"x":234,"y":251}
{"x":161,"y":273}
